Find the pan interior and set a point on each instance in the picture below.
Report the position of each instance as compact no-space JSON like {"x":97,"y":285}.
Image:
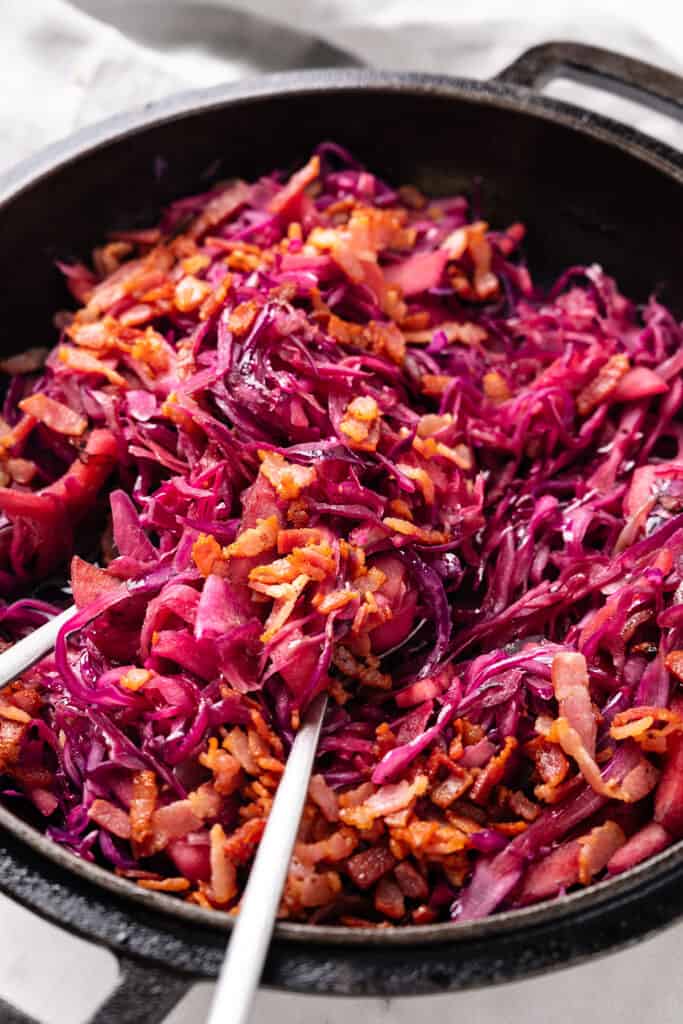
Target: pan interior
{"x":582,"y":194}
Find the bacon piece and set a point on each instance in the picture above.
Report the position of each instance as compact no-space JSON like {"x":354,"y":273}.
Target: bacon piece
{"x":456,"y":783}
{"x":206,"y":802}
{"x":11,"y":736}
{"x":190,"y":292}
{"x":142,"y":805}
{"x":389,"y":899}
{"x":370,"y":865}
{"x":597,"y":848}
{"x":603,"y":385}
{"x":570,"y":683}
{"x":386,"y":800}
{"x":256,"y":539}
{"x":227,"y":770}
{"x":288,"y":478}
{"x":111,"y":818}
{"x":55,"y":415}
{"x":493,"y":773}
{"x":173,"y":821}
{"x":286,"y":203}
{"x":360,"y":423}
{"x":84,"y":362}
{"x":306,"y":887}
{"x":550,"y":762}
{"x":334,"y":848}
{"x":208,"y":556}
{"x":238,"y":745}
{"x":411,"y":882}
{"x":645,"y":843}
{"x":418,"y":273}
{"x":223,"y":872}
{"x":324,"y":797}
{"x":164,"y":884}
{"x":241,"y":845}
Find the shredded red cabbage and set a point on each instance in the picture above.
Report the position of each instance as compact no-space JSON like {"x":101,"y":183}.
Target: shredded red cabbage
{"x":316,"y":433}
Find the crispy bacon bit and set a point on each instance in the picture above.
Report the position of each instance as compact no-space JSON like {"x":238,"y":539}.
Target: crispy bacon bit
{"x":190,"y":292}
{"x":14,"y":714}
{"x":472,"y":239}
{"x":110,"y":817}
{"x":386,"y":800}
{"x":288,"y":478}
{"x":207,"y":555}
{"x":549,"y":760}
{"x":164,"y":884}
{"x":152,"y":350}
{"x":285,"y":203}
{"x":360,"y":424}
{"x":255,"y":540}
{"x":223,"y":873}
{"x":570,"y":683}
{"x":54,"y":415}
{"x":306,"y":887}
{"x":227,"y":770}
{"x":324,"y":797}
{"x":389,"y":899}
{"x":241,"y":845}
{"x":597,"y":848}
{"x":636,"y":784}
{"x":83,"y":362}
{"x":411,"y":882}
{"x":142,"y":805}
{"x":135,"y":678}
{"x":286,"y":596}
{"x":455,"y":785}
{"x":238,"y":745}
{"x":366,"y":868}
{"x":11,"y":735}
{"x":412,"y":530}
{"x":493,"y":773}
{"x":603,"y":385}
{"x":173,"y":822}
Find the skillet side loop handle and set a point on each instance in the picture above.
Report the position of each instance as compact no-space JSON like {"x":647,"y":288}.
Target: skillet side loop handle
{"x":145,"y":994}
{"x":625,"y":76}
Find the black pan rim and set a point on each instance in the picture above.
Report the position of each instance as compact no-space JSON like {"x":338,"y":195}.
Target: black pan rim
{"x":281,"y":86}
{"x":556,"y":909}
{"x":504,"y":95}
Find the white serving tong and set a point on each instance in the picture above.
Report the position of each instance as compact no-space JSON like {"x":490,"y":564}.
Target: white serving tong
{"x":248,"y":945}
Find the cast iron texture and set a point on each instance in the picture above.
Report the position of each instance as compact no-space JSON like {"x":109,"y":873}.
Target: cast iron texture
{"x":588,"y":188}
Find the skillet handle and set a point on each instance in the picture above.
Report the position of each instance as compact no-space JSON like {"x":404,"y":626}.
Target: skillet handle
{"x":145,"y":994}
{"x":625,"y":76}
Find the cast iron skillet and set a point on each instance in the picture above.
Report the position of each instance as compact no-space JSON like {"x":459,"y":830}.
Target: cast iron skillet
{"x":589,"y":189}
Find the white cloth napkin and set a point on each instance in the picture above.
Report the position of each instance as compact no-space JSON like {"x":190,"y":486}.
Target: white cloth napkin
{"x":67,"y":64}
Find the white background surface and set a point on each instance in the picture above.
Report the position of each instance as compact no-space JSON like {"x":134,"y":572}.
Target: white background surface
{"x":66,"y":64}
